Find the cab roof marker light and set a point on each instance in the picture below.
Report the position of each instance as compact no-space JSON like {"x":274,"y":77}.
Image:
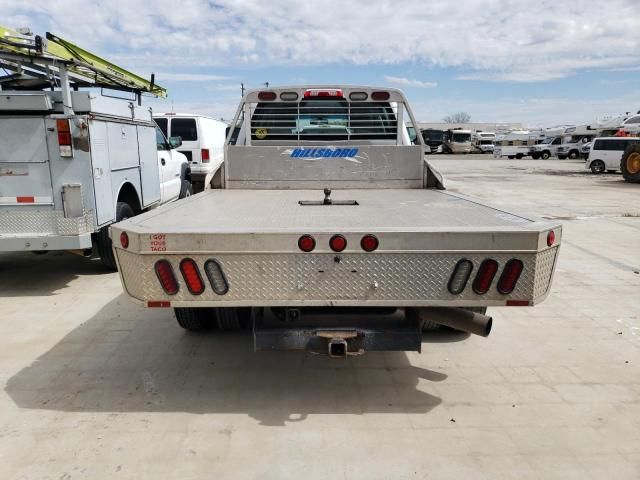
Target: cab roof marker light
{"x":460,"y":276}
{"x":380,"y":96}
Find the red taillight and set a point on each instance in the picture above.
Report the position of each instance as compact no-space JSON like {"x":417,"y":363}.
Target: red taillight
{"x":191,"y":276}
{"x":167,"y":279}
{"x":205,"y":155}
{"x":338,"y":243}
{"x":380,"y":96}
{"x":551,"y":238}
{"x":268,"y":96}
{"x":318,"y":92}
{"x":369,"y":243}
{"x":64,"y":132}
{"x":484,"y":277}
{"x":124,"y":240}
{"x":306,"y":243}
{"x":510,"y":276}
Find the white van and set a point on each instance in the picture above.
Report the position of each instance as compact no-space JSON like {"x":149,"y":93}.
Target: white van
{"x":202,"y":142}
{"x":606,"y":153}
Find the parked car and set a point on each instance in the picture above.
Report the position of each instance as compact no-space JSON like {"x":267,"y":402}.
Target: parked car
{"x":202,"y":143}
{"x":606,"y":153}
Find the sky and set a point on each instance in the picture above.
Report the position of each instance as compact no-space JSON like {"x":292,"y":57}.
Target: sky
{"x":539,"y":62}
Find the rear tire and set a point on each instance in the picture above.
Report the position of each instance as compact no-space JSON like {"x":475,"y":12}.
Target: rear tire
{"x":195,"y":319}
{"x":535,"y":156}
{"x":232,"y":318}
{"x":186,"y":190}
{"x":597,"y":166}
{"x":511,"y":157}
{"x":630,"y":163}
{"x":519,"y":156}
{"x":104,"y":244}
{"x":573,"y":154}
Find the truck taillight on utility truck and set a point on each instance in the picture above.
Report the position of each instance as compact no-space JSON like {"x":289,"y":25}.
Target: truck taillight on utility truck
{"x":331,"y":233}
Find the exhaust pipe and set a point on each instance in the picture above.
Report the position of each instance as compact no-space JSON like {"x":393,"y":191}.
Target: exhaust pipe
{"x":458,"y":319}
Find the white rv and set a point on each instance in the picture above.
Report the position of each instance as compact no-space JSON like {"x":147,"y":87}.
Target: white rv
{"x":484,"y":141}
{"x":516,"y":144}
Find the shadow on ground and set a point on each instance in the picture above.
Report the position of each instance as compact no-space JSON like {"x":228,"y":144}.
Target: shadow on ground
{"x":130,"y":359}
{"x":29,"y":274}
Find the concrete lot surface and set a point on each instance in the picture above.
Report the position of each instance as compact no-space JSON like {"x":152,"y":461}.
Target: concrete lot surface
{"x":96,"y":387}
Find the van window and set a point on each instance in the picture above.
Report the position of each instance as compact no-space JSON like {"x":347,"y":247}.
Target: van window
{"x":633,"y":120}
{"x":617,"y":145}
{"x":162,"y":123}
{"x":184,"y":128}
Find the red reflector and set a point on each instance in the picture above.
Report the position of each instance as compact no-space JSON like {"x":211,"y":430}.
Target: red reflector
{"x":25,"y":199}
{"x":517,"y":303}
{"x":124,"y":240}
{"x":484,"y":277}
{"x":205,"y":155}
{"x":380,"y":96}
{"x":306,"y":243}
{"x":267,"y":96}
{"x":323,"y":93}
{"x":158,"y":304}
{"x":510,"y":276}
{"x":338,"y":243}
{"x":64,"y":132}
{"x":191,"y":276}
{"x":369,"y":243}
{"x":167,"y":279}
{"x":551,"y":238}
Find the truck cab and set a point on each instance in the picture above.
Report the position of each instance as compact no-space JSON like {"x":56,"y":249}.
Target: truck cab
{"x":547,"y":148}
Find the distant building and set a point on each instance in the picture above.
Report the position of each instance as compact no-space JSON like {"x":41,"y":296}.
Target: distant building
{"x":473,"y":126}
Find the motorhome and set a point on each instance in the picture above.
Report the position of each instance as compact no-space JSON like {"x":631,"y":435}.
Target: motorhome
{"x":517,"y":144}
{"x":434,"y":139}
{"x":483,"y":142}
{"x":457,"y":140}
{"x":573,"y":140}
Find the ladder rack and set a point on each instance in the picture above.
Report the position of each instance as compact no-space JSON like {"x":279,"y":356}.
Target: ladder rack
{"x":39,"y":63}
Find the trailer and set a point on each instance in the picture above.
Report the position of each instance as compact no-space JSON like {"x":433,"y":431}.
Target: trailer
{"x":516,"y":144}
{"x":331,"y":233}
{"x":73,"y":161}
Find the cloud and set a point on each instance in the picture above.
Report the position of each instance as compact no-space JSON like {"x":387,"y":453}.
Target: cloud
{"x":409,"y":82}
{"x":499,"y":40}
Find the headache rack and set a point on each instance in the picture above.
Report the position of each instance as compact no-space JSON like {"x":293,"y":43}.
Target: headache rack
{"x":340,"y":116}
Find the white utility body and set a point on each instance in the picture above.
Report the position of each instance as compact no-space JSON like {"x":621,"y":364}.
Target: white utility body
{"x":327,"y":209}
{"x":73,"y":162}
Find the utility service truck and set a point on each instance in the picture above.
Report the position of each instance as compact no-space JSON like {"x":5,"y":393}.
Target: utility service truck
{"x":331,"y":233}
{"x":74,"y":161}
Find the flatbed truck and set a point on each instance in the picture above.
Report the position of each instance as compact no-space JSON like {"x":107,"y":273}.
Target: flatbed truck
{"x":330,"y":232}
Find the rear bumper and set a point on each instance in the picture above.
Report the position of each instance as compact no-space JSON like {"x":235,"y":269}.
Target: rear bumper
{"x":16,"y":243}
{"x":357,"y":279}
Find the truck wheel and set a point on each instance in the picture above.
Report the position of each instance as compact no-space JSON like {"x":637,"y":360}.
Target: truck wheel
{"x":630,"y":164}
{"x":230,"y":318}
{"x":597,"y":166}
{"x":194,"y":319}
{"x":535,"y":156}
{"x":562,"y":157}
{"x":511,"y":157}
{"x":186,"y":190}
{"x":545,"y":155}
{"x":573,"y":154}
{"x":123,"y":211}
{"x":519,"y":156}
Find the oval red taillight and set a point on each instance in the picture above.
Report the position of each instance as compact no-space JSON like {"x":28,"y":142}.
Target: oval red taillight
{"x":268,"y":96}
{"x":306,"y":243}
{"x":338,"y":243}
{"x":124,"y":240}
{"x":484,"y":277}
{"x":510,"y":276}
{"x":551,"y":238}
{"x":164,"y":272}
{"x":369,"y":243}
{"x":192,"y":277}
